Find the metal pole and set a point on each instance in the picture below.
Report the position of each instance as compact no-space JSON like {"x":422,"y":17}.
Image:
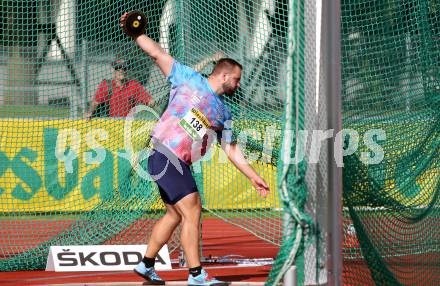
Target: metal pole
{"x":331,"y":39}
{"x":290,"y":277}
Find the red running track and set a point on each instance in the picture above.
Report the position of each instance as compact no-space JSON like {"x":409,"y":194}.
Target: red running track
{"x":219,"y":239}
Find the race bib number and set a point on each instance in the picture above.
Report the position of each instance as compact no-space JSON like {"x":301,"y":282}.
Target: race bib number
{"x":195,"y":124}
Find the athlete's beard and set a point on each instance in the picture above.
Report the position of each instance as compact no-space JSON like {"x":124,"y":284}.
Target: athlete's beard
{"x":228,"y":89}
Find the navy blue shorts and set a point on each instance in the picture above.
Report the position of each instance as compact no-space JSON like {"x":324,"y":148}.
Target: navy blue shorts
{"x":172,"y":175}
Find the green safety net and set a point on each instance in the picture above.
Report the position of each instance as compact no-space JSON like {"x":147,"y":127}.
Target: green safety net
{"x":66,"y":179}
{"x":391,"y":108}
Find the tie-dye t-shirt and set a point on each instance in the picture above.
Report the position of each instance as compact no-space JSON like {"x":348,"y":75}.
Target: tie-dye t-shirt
{"x":194,"y":118}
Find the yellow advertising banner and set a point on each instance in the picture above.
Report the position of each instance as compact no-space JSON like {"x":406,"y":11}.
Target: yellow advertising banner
{"x":66,"y":165}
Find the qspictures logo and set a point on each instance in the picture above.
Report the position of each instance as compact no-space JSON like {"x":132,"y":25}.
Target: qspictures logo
{"x":54,"y":163}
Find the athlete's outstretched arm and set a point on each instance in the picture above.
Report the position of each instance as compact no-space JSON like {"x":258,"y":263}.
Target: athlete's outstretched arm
{"x":235,"y":155}
{"x":153,"y":49}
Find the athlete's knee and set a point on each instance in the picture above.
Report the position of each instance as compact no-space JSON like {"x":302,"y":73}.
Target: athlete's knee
{"x":191,"y":214}
{"x":194,"y":209}
{"x":197,"y":207}
{"x":176,"y":218}
{"x":173,"y":216}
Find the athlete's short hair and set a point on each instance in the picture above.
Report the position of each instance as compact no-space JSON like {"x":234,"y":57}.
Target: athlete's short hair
{"x":226,"y":64}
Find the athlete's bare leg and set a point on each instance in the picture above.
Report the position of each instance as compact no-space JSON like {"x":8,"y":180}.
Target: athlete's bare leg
{"x":190,"y":208}
{"x":163,"y":230}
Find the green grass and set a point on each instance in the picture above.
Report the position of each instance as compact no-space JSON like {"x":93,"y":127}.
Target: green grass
{"x":33,"y":111}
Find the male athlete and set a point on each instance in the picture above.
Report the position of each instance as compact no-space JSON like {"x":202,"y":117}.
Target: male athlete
{"x":195,"y":115}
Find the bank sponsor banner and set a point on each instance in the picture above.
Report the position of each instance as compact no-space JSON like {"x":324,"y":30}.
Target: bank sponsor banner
{"x":74,"y":165}
{"x":102,"y":258}
{"x":65,"y":165}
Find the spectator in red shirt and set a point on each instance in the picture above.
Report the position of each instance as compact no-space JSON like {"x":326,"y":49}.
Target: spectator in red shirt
{"x":123,"y":95}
